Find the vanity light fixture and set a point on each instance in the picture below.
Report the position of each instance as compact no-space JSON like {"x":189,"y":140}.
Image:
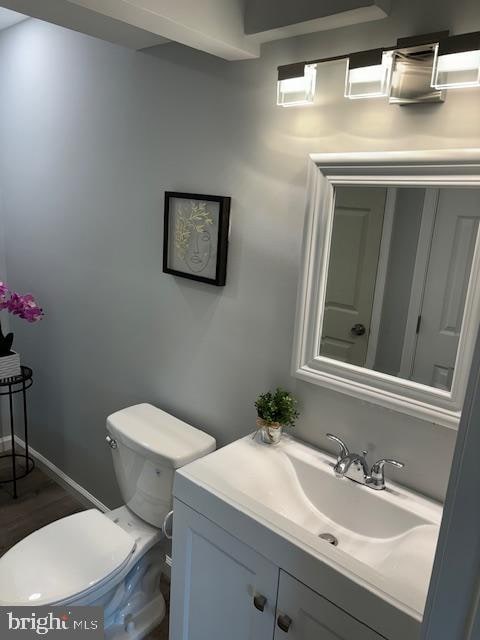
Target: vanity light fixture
{"x":368,"y":74}
{"x":415,"y":70}
{"x":457,"y":62}
{"x":296,"y":84}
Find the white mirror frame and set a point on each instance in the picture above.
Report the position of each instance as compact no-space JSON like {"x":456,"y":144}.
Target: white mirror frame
{"x":447,"y":168}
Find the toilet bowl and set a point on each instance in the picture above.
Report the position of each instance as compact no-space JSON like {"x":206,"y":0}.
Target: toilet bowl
{"x":114,"y":559}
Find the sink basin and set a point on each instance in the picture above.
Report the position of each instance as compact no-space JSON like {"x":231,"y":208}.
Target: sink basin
{"x":387,"y":538}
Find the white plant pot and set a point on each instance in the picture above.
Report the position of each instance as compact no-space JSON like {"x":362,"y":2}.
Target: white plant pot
{"x":271,"y":433}
{"x":10,"y":366}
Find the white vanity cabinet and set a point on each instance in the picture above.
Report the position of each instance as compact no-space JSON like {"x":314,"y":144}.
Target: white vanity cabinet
{"x":223,"y":589}
{"x":302,"y":614}
{"x":216,"y":581}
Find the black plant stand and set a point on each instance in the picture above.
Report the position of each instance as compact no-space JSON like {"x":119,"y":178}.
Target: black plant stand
{"x":9,"y":387}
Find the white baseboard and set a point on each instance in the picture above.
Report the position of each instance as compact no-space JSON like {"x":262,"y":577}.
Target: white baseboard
{"x":59,"y":476}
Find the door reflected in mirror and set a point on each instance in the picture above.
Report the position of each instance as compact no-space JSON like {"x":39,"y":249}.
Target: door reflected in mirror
{"x":398,"y":273}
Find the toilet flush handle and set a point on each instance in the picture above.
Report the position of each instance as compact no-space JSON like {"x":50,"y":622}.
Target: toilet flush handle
{"x":168,"y":517}
{"x":111,"y":442}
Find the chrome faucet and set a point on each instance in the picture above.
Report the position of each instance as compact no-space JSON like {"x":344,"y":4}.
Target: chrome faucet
{"x":354,"y":466}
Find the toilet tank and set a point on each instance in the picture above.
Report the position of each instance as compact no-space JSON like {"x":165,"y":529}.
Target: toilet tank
{"x":149,"y":444}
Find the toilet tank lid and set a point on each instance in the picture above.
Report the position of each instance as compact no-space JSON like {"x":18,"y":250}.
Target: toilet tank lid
{"x":159,"y":435}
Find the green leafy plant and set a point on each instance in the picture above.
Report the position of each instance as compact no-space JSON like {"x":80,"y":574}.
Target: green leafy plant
{"x":279,"y":407}
{"x":197,"y":218}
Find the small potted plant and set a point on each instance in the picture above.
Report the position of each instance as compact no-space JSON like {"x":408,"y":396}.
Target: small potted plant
{"x":275,"y":411}
{"x":24,"y":307}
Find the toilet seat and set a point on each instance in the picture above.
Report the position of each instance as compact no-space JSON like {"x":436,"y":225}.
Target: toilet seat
{"x":63,"y":560}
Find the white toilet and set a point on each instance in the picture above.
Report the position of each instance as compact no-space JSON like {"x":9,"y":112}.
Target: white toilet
{"x":113,"y":560}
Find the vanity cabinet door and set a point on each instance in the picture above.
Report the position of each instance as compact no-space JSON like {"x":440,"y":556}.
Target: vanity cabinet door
{"x":302,"y":614}
{"x":219,"y":585}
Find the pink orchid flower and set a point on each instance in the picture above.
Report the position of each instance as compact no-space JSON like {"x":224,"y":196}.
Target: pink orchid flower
{"x":23,"y":306}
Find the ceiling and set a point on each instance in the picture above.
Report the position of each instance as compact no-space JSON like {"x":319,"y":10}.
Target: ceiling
{"x":7,"y":18}
{"x":229,"y":29}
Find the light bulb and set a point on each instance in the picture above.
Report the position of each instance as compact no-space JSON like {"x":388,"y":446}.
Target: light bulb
{"x":298,"y":90}
{"x":369,"y":81}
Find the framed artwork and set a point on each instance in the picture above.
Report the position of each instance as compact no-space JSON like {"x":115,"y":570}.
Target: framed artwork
{"x":195,"y":241}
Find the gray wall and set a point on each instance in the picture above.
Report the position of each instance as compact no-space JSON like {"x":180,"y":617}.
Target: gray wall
{"x":92,"y":134}
{"x":4,"y":320}
{"x":398,"y":284}
{"x":3,"y":257}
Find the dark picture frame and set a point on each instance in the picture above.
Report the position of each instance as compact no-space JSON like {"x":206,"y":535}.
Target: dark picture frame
{"x":197,"y":221}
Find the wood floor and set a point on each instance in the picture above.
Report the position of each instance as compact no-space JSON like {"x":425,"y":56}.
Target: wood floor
{"x":41,"y":501}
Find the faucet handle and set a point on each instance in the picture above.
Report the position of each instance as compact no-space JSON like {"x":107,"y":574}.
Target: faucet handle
{"x":377,"y":478}
{"x":378,"y":466}
{"x":343,"y":447}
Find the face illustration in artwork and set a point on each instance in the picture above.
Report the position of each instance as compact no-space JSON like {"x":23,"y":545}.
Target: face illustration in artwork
{"x":195,"y":236}
{"x":199,"y":251}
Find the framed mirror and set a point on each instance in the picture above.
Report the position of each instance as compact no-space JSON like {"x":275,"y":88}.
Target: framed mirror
{"x":389,"y":296}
